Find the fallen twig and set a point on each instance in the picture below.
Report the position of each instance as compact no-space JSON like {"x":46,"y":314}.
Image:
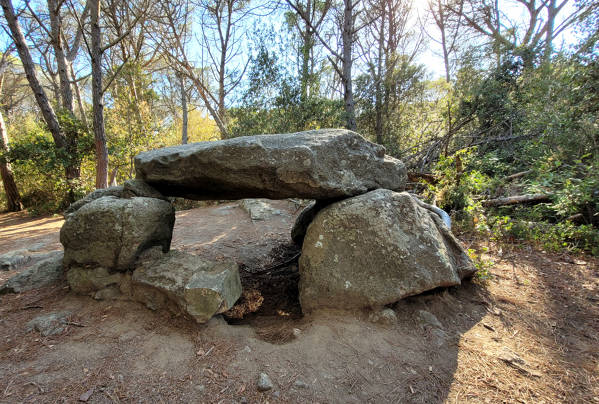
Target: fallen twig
{"x":32,"y":307}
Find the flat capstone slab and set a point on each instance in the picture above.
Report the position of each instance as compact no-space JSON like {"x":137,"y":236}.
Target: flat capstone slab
{"x":321,"y":164}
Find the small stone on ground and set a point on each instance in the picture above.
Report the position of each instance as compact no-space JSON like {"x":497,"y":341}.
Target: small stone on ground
{"x":49,"y":324}
{"x":264,"y":382}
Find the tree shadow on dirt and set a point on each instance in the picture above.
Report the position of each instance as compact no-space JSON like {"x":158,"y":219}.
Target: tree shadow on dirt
{"x":566,"y":319}
{"x":413,"y":360}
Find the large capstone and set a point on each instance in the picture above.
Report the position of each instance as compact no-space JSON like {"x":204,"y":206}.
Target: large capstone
{"x":199,"y":287}
{"x":110,"y":232}
{"x":323,"y":164}
{"x":375,"y":249}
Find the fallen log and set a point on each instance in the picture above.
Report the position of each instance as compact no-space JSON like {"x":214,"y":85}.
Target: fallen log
{"x":517,"y":175}
{"x":513,"y":200}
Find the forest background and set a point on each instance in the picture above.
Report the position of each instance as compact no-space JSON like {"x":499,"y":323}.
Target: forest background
{"x":482,"y":99}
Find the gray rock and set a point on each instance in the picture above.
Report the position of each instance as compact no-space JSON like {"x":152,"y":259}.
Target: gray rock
{"x":322,"y":164}
{"x":135,"y":187}
{"x":87,"y":280}
{"x":13,"y":260}
{"x":36,"y":246}
{"x":300,"y":384}
{"x":298,"y":232}
{"x":375,"y":249}
{"x":386,"y":316}
{"x":49,"y":324}
{"x":259,"y":209}
{"x":264,"y":382}
{"x":199,"y":287}
{"x":116,"y":191}
{"x":108,"y":293}
{"x":41,"y":274}
{"x":429,"y":319}
{"x":438,"y":337}
{"x":110,"y":232}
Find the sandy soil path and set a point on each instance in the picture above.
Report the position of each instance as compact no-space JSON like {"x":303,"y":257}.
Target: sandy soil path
{"x":529,"y":334}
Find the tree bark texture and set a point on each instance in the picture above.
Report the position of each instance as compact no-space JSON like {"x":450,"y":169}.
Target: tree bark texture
{"x":13,"y":198}
{"x":29,"y":68}
{"x":66,"y":94}
{"x":98,"y":97}
{"x":183,"y":109}
{"x":347,"y":62}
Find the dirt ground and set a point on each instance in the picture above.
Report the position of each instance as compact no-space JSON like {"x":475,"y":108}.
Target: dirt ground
{"x":529,"y":334}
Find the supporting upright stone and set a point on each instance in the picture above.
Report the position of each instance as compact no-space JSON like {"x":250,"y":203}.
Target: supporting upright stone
{"x":111,"y":232}
{"x":375,"y":249}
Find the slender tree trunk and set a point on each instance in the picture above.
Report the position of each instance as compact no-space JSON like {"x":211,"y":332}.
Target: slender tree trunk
{"x":441,"y":23}
{"x":29,"y":68}
{"x":13,"y":198}
{"x":306,"y":47}
{"x":496,"y":45}
{"x":346,"y":76}
{"x":183,"y":109}
{"x":66,"y":94}
{"x":551,"y":12}
{"x":79,"y":99}
{"x":220,"y":108}
{"x":378,"y":102}
{"x":72,"y":171}
{"x":112,"y":179}
{"x":97,"y":96}
{"x":305,"y":69}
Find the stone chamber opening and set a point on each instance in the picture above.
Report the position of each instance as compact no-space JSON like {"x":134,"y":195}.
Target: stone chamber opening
{"x":256,"y":233}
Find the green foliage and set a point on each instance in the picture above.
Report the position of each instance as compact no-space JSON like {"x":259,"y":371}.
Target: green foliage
{"x":482,"y":264}
{"x":563,"y":236}
{"x":404,"y":104}
{"x":39,"y":167}
{"x":458,"y":187}
{"x":272,"y":103}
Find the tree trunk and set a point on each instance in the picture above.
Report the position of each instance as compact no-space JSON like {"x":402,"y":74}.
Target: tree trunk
{"x":551,"y":12}
{"x":68,"y":145}
{"x":513,"y":200}
{"x":13,"y":198}
{"x":183,"y":109}
{"x":79,"y":99}
{"x":113,"y":174}
{"x":378,"y":102}
{"x":346,"y":76}
{"x":66,"y":95}
{"x":441,"y":23}
{"x":306,"y":47}
{"x":29,"y":68}
{"x":97,"y":97}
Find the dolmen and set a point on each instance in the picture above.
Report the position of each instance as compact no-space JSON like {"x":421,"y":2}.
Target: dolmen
{"x":364,"y":243}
